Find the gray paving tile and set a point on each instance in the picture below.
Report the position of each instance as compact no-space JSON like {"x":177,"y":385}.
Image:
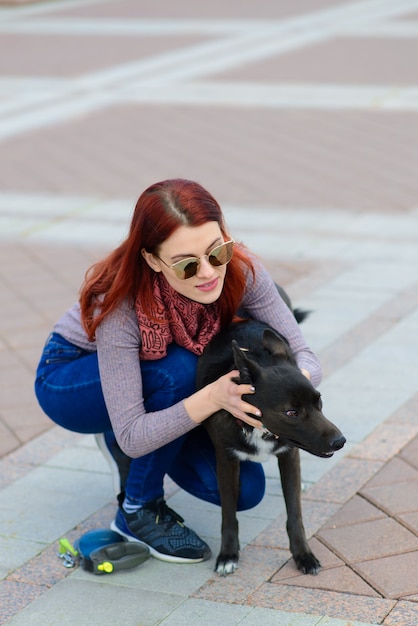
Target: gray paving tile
{"x":193,"y":612}
{"x":46,"y":503}
{"x":269,"y":617}
{"x":155,"y":576}
{"x":15,"y":552}
{"x":87,"y":602}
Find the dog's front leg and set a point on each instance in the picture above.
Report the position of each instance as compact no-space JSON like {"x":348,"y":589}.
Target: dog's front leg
{"x":228,"y":482}
{"x":289,"y":465}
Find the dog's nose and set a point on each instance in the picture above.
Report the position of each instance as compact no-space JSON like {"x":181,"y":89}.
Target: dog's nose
{"x":338,"y":442}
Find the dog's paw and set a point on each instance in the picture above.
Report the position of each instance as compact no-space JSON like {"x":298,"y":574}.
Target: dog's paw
{"x":308,"y":563}
{"x":226,"y":564}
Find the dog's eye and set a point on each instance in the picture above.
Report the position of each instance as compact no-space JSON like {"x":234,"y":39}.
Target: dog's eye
{"x":292,"y":413}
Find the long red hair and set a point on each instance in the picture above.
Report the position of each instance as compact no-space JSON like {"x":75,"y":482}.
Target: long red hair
{"x":124,"y":273}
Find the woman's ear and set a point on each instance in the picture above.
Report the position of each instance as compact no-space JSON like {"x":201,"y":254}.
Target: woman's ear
{"x":151,"y":260}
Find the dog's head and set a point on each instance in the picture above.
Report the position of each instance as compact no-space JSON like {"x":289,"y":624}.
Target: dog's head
{"x":291,"y":407}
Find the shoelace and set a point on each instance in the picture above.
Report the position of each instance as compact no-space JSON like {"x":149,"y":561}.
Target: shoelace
{"x":167,"y":516}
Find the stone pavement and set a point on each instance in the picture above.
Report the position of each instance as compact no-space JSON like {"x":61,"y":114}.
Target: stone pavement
{"x":301,"y":118}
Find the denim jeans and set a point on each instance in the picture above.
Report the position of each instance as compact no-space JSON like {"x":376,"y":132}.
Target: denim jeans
{"x":69,"y":391}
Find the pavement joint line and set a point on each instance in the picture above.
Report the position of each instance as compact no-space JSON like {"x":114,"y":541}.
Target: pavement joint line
{"x":243,"y":94}
{"x":38,"y":9}
{"x":208,"y":57}
{"x":391,"y":30}
{"x":301,"y":96}
{"x":56,"y":207}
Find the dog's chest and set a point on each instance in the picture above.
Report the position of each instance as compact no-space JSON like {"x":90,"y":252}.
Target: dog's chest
{"x":258,"y":447}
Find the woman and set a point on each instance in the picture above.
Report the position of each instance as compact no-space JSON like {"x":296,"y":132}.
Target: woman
{"x":121,"y":363}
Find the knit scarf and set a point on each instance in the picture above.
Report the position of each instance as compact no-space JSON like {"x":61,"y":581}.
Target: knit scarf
{"x":175,"y":319}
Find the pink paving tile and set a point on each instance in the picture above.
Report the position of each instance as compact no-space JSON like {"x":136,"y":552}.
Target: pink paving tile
{"x":27,"y":421}
{"x":328,"y":159}
{"x":327,"y":559}
{"x":394,"y":471}
{"x":14,"y":596}
{"x":344,"y":606}
{"x":255,"y":566}
{"x":400,"y":497}
{"x":339,"y":61}
{"x":385,"y":441}
{"x":368,"y":540}
{"x":46,"y":569}
{"x":315,"y":515}
{"x":8,"y":439}
{"x":343,"y":481}
{"x":341,"y":579}
{"x":404,"y":614}
{"x":354,"y":511}
{"x":410,"y":520}
{"x":393,"y":576}
{"x":30,"y":55}
{"x":40,"y":449}
{"x":410,"y":452}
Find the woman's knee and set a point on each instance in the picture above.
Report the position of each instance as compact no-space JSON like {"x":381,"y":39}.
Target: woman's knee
{"x":170,"y":379}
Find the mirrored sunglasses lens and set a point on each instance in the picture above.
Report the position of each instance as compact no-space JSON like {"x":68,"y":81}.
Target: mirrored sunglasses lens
{"x":185,"y":269}
{"x":222,"y":254}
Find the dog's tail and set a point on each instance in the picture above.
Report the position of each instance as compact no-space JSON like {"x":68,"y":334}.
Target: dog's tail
{"x":300,"y":314}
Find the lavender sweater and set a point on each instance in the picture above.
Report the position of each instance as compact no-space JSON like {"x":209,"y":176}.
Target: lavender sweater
{"x":117,"y":345}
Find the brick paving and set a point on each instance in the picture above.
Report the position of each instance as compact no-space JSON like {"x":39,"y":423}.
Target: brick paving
{"x":301,"y":118}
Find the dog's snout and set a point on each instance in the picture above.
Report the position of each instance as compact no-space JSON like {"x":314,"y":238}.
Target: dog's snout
{"x":338,"y":442}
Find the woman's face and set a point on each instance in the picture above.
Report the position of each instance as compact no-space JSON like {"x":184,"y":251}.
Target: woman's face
{"x":191,"y":241}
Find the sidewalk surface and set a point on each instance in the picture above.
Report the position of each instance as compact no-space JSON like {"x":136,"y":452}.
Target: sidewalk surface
{"x":301,"y":117}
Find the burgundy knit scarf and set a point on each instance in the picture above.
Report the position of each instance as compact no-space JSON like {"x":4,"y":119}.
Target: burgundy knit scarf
{"x":176,"y":319}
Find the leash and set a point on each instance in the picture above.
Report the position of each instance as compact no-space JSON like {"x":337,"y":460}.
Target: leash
{"x":102,"y":552}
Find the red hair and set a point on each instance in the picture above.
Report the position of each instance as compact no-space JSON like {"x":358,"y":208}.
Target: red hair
{"x":124,"y":273}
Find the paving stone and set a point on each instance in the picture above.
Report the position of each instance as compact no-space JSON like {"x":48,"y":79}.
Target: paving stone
{"x":395,"y":498}
{"x":319,"y":602}
{"x":354,"y":511}
{"x":341,"y":579}
{"x":404,"y":614}
{"x":368,"y":540}
{"x":396,"y":470}
{"x":393,"y":576}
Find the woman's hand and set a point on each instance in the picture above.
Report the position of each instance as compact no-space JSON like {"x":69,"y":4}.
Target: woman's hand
{"x":223,"y":393}
{"x":227,"y":394}
{"x":306,"y":373}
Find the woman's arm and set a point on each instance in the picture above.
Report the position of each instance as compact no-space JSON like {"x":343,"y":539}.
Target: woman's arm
{"x":263,"y":302}
{"x":139,"y":432}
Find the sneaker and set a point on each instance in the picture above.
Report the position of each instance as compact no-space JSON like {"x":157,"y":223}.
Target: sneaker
{"x":118,"y":461}
{"x":162,"y":530}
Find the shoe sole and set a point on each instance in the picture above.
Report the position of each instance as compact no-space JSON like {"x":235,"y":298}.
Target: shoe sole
{"x":159,"y":555}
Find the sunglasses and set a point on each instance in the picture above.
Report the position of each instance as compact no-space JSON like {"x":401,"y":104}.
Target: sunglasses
{"x":187,"y":268}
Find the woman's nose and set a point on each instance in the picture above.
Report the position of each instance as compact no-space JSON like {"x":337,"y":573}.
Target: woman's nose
{"x":205,"y":268}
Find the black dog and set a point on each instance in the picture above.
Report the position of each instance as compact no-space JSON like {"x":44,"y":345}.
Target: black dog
{"x":291,"y":416}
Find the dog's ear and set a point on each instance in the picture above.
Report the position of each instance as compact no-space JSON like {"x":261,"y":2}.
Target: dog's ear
{"x":275,"y":344}
{"x":243,"y":364}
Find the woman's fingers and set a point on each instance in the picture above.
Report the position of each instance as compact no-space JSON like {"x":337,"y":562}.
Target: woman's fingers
{"x":242,"y":409}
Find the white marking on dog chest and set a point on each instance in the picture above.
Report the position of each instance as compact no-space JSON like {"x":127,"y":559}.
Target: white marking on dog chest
{"x":264,"y":447}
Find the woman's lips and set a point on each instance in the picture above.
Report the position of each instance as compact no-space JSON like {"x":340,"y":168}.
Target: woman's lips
{"x":210,"y":286}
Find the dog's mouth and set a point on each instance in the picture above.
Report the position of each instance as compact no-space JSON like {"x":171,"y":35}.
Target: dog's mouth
{"x":267,"y":434}
{"x":321,"y":453}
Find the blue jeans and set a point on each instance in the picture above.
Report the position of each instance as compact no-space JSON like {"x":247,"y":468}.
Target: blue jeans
{"x":69,"y":391}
